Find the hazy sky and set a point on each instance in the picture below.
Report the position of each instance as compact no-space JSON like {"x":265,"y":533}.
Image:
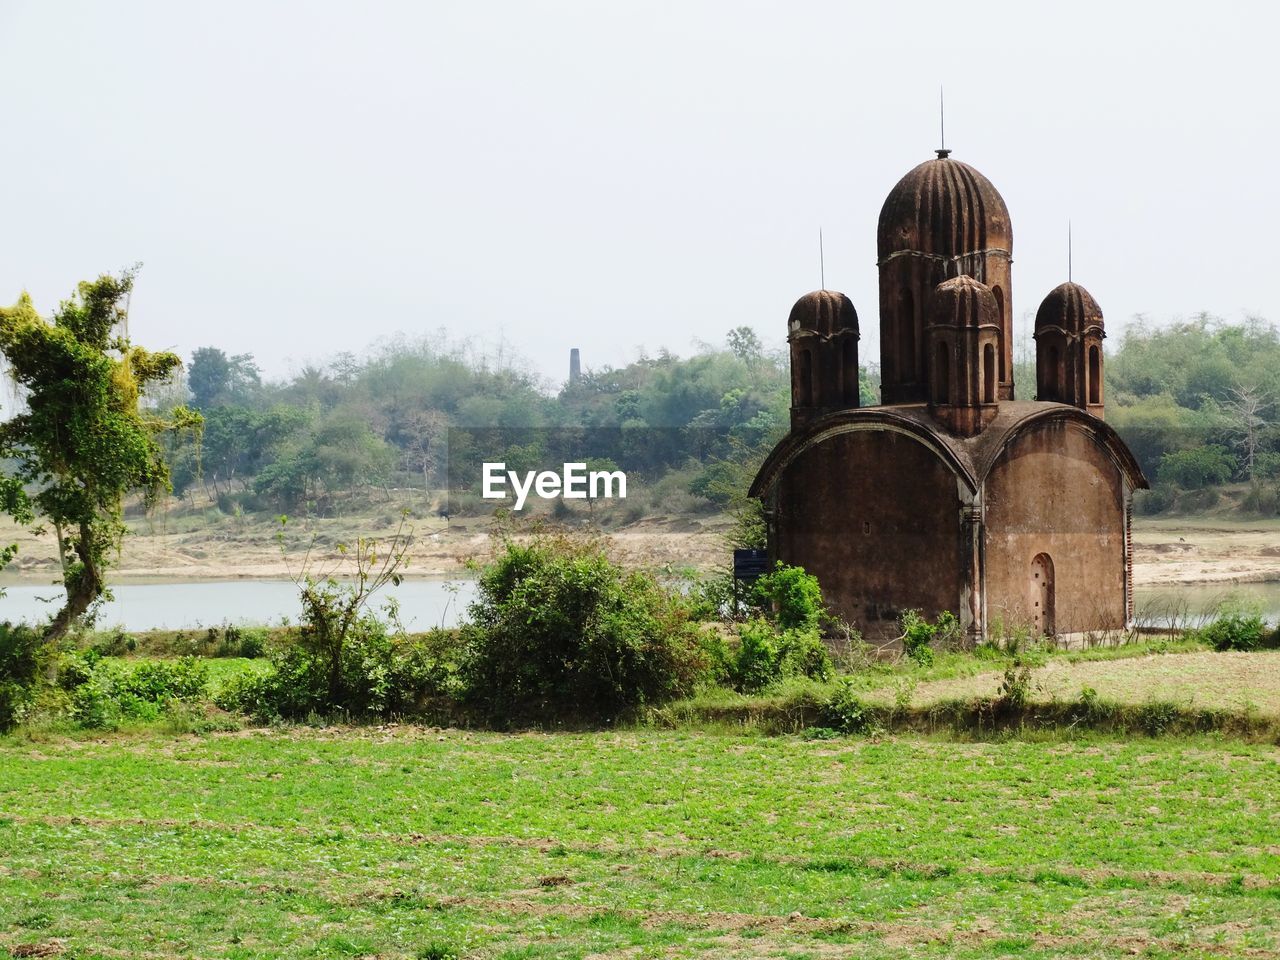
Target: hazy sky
{"x":305,"y":178}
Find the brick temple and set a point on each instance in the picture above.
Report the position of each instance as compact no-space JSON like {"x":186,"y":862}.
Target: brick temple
{"x":953,"y":494}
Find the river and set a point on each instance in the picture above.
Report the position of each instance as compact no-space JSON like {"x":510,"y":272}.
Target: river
{"x":424,"y":604}
{"x":182,"y":605}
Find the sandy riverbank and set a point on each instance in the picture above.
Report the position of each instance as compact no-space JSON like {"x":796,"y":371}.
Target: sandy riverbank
{"x":1166,"y":551}
{"x":233,"y":549}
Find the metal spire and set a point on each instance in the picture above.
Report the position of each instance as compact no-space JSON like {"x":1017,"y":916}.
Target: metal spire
{"x":1068,"y":251}
{"x":942,"y":150}
{"x":822,"y":262}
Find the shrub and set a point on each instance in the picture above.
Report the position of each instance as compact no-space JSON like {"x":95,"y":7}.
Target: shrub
{"x":249,"y":642}
{"x":109,"y":692}
{"x":848,"y":713}
{"x":1157,"y":717}
{"x":712,"y":598}
{"x":18,"y":668}
{"x":1263,"y":500}
{"x":765,"y":655}
{"x":1015,"y":685}
{"x":948,"y":633}
{"x":1235,"y":629}
{"x":758,"y":660}
{"x":917,"y":635}
{"x":805,"y":655}
{"x":790,"y":596}
{"x":1161,"y":497}
{"x":114,"y":643}
{"x":382,"y":673}
{"x":560,"y":631}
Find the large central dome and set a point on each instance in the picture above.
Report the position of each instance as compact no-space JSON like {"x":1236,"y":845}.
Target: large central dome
{"x":945,"y":208}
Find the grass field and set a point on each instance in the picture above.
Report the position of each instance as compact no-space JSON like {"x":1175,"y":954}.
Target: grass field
{"x":1230,"y":680}
{"x":410,"y":842}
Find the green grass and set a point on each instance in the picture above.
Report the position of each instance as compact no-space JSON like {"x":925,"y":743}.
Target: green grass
{"x":404,"y":842}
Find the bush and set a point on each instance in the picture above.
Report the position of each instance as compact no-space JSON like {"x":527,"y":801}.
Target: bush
{"x":1161,"y":497}
{"x":18,"y":668}
{"x":1236,"y":629}
{"x":917,"y":635}
{"x":383,"y":673}
{"x":1262,"y":499}
{"x":248,"y":642}
{"x":790,"y":596}
{"x":765,"y":655}
{"x":116,"y":643}
{"x":848,"y":713}
{"x":104,"y":692}
{"x":758,"y":659}
{"x":1015,"y":685}
{"x":560,"y":631}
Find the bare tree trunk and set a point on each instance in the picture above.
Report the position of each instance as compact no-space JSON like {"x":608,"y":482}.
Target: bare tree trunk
{"x":62,"y":548}
{"x":85,"y":589}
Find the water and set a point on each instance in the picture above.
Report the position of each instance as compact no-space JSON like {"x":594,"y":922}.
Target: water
{"x":185,"y":605}
{"x":432,"y":603}
{"x":1190,"y":604}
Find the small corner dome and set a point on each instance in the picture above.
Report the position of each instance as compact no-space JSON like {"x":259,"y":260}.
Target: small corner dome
{"x":1071,"y":308}
{"x":824,"y":312}
{"x":965,"y":302}
{"x":944,"y":207}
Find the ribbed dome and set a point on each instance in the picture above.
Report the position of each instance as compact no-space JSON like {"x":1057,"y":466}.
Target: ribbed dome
{"x":946,"y":208}
{"x":964,"y":302}
{"x":1069,"y":307}
{"x":825,"y":312}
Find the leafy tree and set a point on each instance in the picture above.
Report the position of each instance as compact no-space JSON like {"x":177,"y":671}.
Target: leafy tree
{"x":83,"y":443}
{"x":215,"y":378}
{"x":1198,"y":468}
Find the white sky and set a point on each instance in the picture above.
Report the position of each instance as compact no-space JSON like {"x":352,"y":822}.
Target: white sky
{"x":304,"y":178}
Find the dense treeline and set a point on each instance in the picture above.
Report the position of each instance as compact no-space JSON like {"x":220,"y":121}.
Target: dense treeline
{"x":385,"y":421}
{"x":1196,"y":401}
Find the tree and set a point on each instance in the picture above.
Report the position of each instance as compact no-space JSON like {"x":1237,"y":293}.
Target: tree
{"x":1247,"y":420}
{"x":215,"y":378}
{"x":83,"y":442}
{"x":1197,"y":468}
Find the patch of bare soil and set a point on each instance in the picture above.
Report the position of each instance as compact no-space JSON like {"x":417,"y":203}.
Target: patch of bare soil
{"x":1204,"y":551}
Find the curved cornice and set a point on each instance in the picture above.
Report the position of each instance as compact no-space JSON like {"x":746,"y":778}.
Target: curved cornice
{"x":970,"y":459}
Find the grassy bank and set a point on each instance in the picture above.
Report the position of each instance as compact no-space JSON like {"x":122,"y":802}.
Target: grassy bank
{"x":407,"y":842}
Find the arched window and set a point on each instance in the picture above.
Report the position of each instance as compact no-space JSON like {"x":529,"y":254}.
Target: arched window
{"x":989,"y":374}
{"x":942,"y":373}
{"x":849,"y":370}
{"x":906,"y":338}
{"x":806,"y":378}
{"x":1004,"y":334}
{"x":1095,"y":375}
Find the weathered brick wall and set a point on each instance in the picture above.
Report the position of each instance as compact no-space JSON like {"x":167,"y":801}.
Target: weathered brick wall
{"x":1054,"y":490}
{"x":875,"y":516}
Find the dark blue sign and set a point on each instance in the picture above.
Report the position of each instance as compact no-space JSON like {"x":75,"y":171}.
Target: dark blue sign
{"x":749,"y":564}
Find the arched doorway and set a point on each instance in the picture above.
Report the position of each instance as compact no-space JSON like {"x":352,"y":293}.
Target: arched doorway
{"x":1041,"y":588}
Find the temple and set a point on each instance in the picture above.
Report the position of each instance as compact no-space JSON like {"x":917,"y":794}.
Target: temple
{"x":953,"y":494}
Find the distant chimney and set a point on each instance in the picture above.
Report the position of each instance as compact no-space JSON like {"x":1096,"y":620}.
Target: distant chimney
{"x":575,"y":366}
